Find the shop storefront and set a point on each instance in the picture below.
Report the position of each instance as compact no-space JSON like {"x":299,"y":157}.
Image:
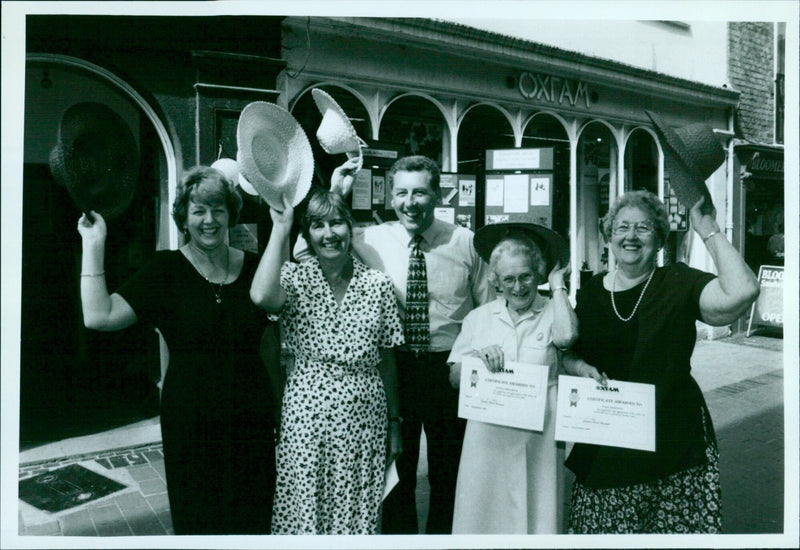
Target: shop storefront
{"x":759,"y":223}
{"x":570,"y":131}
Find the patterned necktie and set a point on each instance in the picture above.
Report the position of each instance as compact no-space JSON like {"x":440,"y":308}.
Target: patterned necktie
{"x":417,"y":326}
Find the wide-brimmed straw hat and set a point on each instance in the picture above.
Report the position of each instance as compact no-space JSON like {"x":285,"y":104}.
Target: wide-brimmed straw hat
{"x":691,"y":154}
{"x":274,"y":153}
{"x":336,"y":133}
{"x":96,"y":158}
{"x":230,"y":168}
{"x":553,"y":246}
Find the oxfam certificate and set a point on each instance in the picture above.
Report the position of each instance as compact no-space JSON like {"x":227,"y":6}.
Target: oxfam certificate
{"x":620,"y":414}
{"x":515,"y":396}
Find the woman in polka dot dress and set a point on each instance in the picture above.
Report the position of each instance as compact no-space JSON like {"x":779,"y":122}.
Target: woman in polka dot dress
{"x":341,"y":323}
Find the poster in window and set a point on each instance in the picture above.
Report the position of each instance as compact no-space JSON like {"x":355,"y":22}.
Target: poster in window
{"x":494,"y":191}
{"x":362,"y":190}
{"x":378,"y":189}
{"x":466,"y":192}
{"x":515,"y":195}
{"x":540,"y":191}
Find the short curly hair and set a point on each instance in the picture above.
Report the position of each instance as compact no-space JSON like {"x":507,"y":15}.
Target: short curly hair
{"x":517,"y":245}
{"x":206,"y":185}
{"x":646,"y":202}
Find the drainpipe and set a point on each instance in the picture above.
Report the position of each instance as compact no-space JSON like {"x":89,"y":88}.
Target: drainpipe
{"x":729,"y":181}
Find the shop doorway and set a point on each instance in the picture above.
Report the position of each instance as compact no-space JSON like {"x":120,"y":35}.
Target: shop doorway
{"x":74,"y":381}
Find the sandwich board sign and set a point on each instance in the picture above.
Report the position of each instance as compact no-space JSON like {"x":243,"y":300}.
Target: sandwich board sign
{"x":767,"y":310}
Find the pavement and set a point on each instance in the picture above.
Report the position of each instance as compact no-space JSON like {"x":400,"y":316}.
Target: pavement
{"x":741,"y":378}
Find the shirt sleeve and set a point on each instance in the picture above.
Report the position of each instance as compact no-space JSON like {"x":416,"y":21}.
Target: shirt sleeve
{"x":391,"y":329}
{"x":482,"y":292}
{"x":463,"y":343}
{"x":697,"y":282}
{"x":289,"y":272}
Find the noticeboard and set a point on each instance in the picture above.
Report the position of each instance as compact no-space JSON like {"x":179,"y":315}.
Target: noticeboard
{"x":767,"y":310}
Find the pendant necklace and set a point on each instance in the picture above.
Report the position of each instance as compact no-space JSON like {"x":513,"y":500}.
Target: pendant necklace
{"x":613,"y":303}
{"x":217,"y":291}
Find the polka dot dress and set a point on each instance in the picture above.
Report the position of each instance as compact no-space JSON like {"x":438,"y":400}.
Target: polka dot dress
{"x":332,"y":446}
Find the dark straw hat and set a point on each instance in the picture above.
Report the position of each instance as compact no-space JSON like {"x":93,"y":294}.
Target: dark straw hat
{"x":553,"y":246}
{"x":691,"y":155}
{"x":96,"y":159}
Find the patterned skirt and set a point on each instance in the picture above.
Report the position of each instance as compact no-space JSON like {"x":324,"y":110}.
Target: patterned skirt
{"x":684,"y":502}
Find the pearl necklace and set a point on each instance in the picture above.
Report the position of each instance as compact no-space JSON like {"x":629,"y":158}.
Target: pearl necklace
{"x":613,"y":303}
{"x":217,"y":291}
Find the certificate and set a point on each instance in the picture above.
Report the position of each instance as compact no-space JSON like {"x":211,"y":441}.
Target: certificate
{"x":515,"y":396}
{"x":620,"y":414}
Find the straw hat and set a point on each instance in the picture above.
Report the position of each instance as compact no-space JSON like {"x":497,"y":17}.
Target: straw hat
{"x":336,"y":133}
{"x":96,"y":158}
{"x":274,"y":153}
{"x":552,"y":245}
{"x":230,"y":168}
{"x":691,"y":155}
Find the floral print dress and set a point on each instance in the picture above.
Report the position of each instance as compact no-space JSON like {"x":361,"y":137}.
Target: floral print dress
{"x":332,"y":446}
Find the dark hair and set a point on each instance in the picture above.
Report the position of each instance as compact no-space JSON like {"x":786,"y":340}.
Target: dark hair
{"x":321,"y":204}
{"x":646,"y":202}
{"x":206,"y":185}
{"x":418,"y":163}
{"x":518,"y":245}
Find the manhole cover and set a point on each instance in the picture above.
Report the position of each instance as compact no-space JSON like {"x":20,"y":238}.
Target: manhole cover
{"x":65,"y":488}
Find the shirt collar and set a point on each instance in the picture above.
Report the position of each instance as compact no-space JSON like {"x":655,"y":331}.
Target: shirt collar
{"x":428,"y":236}
{"x":499,"y":308}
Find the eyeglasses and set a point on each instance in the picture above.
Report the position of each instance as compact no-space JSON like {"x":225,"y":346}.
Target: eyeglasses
{"x":642,"y":229}
{"x":525,"y":279}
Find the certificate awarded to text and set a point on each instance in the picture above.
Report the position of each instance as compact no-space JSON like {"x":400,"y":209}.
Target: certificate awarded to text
{"x":620,"y":414}
{"x":515,"y":396}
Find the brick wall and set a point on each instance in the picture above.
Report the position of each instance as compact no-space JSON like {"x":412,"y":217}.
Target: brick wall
{"x":751,"y":71}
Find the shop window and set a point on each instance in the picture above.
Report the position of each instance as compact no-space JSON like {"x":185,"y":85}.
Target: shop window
{"x":597,"y":180}
{"x":547,"y":131}
{"x":641,"y":162}
{"x":417,"y":127}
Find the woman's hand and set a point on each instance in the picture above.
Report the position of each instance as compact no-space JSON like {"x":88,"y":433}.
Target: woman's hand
{"x":588,"y":371}
{"x":558,"y":275}
{"x":285,"y":217}
{"x":395,"y":442}
{"x":703,"y":223}
{"x":92,"y":232}
{"x":344,"y":175}
{"x":492,"y":357}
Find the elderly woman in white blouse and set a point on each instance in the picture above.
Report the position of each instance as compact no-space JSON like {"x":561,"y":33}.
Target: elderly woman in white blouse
{"x":509,"y":479}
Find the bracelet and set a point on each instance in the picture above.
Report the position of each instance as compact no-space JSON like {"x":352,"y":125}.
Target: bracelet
{"x":397,"y":419}
{"x":93,"y":274}
{"x":559,"y":288}
{"x":709,"y":235}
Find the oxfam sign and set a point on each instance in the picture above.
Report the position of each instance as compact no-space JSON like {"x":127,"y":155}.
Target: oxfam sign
{"x":553,"y":89}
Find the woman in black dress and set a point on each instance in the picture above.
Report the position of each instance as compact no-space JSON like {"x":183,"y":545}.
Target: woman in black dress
{"x":637,"y":323}
{"x":217,"y":411}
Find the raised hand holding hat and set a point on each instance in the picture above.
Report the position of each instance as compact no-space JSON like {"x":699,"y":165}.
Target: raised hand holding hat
{"x":274,"y":153}
{"x":691,"y":154}
{"x":96,"y":159}
{"x":337,"y":135}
